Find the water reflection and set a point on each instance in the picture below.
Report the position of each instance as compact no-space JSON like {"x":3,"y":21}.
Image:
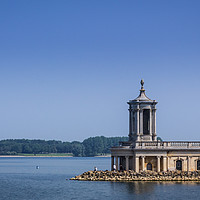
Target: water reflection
{"x":136,"y":187}
{"x":178,"y":183}
{"x":139,"y":187}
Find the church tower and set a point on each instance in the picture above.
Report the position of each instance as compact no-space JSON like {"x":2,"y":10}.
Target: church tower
{"x":143,"y":152}
{"x":142,"y":118}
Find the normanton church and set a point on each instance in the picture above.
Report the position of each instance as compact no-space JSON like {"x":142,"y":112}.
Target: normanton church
{"x":143,"y":151}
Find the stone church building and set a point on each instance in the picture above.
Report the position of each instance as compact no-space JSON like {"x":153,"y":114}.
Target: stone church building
{"x":143,"y":151}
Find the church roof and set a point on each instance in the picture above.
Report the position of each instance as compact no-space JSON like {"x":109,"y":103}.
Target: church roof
{"x":142,"y":96}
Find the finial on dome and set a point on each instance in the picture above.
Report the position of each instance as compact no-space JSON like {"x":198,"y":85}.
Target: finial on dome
{"x":142,"y":83}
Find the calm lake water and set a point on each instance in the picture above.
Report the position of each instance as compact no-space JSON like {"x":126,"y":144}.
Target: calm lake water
{"x":19,"y":179}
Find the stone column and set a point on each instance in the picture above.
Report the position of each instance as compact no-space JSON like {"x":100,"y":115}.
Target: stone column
{"x":130,"y":122}
{"x":164,"y":163}
{"x":112,"y":162}
{"x":143,"y":163}
{"x":168,"y":163}
{"x":188,"y":163}
{"x":141,"y":122}
{"x":133,"y":122}
{"x":183,"y":165}
{"x":158,"y":163}
{"x":150,"y":122}
{"x":116,"y":163}
{"x":154,"y":124}
{"x":137,"y":166}
{"x":152,"y":111}
{"x":127,"y":163}
{"x":133,"y":163}
{"x":138,"y":122}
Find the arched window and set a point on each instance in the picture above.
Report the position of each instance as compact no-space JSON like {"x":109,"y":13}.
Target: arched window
{"x":149,"y":166}
{"x":179,"y":165}
{"x":198,"y":164}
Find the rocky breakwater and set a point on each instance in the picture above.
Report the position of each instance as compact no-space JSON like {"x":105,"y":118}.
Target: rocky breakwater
{"x":133,"y":176}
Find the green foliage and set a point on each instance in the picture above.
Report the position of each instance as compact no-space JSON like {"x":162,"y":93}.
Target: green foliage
{"x":100,"y":144}
{"x":89,"y":147}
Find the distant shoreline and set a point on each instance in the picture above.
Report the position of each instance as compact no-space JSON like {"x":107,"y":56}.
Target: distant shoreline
{"x":17,"y":156}
{"x":106,"y":156}
{"x":12,"y":156}
{"x":92,"y":146}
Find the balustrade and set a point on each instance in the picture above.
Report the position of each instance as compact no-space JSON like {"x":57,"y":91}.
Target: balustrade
{"x":160,"y":145}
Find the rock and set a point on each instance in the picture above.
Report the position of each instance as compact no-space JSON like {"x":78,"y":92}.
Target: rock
{"x":133,"y":176}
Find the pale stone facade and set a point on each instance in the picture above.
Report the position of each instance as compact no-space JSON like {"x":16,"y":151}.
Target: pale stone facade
{"x":143,"y":151}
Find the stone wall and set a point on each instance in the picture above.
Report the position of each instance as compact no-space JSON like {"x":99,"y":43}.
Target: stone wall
{"x":133,"y":176}
{"x":190,"y":164}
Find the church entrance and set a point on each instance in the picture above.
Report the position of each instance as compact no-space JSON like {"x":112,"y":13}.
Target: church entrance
{"x":179,"y":165}
{"x":149,"y":166}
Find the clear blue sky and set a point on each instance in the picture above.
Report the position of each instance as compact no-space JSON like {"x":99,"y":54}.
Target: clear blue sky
{"x":68,"y":67}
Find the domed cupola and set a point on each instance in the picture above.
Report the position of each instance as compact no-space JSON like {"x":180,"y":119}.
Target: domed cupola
{"x":142,"y":117}
{"x":142,"y":96}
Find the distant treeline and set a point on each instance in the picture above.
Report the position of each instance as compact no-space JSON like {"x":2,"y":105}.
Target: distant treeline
{"x":92,"y":146}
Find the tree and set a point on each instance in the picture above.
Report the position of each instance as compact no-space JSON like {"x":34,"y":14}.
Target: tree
{"x":89,"y":147}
